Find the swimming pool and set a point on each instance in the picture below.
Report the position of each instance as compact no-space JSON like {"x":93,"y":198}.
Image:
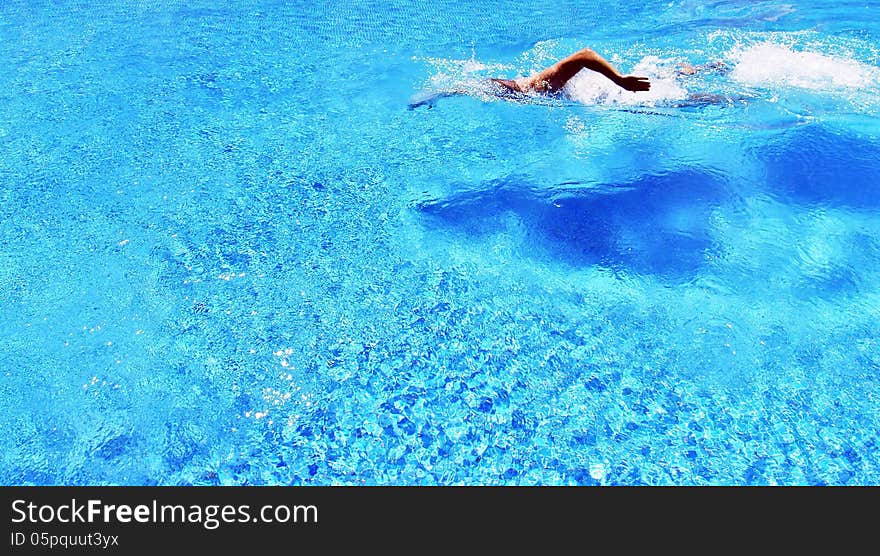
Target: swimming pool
{"x":231,"y":255}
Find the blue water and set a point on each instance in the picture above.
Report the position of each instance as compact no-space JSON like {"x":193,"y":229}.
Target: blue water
{"x":229,"y":253}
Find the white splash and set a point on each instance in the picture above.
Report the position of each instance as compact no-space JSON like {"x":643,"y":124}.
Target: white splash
{"x":451,"y":73}
{"x":589,"y":87}
{"x":769,"y":64}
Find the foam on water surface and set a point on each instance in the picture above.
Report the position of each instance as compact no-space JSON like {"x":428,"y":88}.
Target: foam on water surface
{"x":778,"y":65}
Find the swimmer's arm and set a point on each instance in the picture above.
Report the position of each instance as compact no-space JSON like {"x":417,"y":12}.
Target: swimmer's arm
{"x":593,"y":61}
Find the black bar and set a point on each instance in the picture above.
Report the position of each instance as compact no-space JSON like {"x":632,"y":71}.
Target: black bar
{"x":491,"y":517}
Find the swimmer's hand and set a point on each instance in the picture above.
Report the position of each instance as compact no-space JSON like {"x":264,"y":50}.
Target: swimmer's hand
{"x":633,"y":83}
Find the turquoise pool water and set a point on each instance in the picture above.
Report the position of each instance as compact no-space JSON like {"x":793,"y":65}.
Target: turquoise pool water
{"x":230,"y":254}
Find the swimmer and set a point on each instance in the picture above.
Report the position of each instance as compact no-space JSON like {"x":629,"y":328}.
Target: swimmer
{"x":550,"y":81}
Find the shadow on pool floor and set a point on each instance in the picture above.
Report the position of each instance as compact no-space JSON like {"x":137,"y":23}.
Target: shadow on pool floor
{"x":657,"y":224}
{"x":815,"y":166}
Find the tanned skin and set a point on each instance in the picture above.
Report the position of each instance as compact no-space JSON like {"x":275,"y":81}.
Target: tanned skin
{"x":554,"y":78}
